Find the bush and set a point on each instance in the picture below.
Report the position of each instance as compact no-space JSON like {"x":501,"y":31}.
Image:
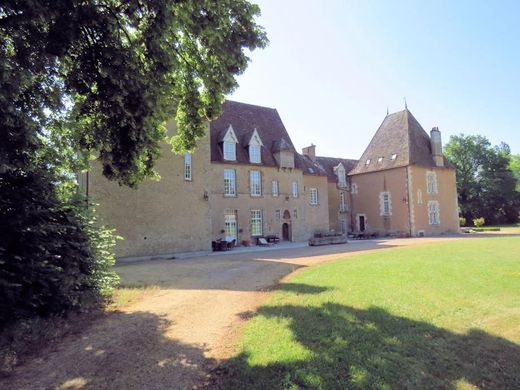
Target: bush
{"x":462,"y":221}
{"x":53,"y":258}
{"x":479,"y":222}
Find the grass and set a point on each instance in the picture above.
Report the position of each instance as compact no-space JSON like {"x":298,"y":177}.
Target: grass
{"x":437,"y":316}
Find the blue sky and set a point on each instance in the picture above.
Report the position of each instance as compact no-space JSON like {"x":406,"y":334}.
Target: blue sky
{"x":333,"y":67}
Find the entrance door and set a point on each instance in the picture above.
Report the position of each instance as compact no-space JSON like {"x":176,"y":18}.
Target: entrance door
{"x":230,"y":221}
{"x":286,"y":234}
{"x":361,"y":223}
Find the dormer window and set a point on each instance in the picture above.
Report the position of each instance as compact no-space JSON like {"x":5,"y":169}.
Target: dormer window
{"x":340,"y":173}
{"x":230,"y":151}
{"x":229,"y":141}
{"x":254,"y":154}
{"x":255,"y":148}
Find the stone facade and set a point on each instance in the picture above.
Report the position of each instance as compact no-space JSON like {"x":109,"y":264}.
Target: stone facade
{"x":246,"y":180}
{"x":403,"y":184}
{"x":166,"y":216}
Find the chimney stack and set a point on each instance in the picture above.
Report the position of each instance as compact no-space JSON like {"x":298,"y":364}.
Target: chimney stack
{"x":310,"y":151}
{"x":436,"y":142}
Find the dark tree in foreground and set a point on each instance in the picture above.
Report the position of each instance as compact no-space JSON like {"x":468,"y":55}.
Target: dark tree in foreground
{"x":97,"y":76}
{"x":485,"y":183}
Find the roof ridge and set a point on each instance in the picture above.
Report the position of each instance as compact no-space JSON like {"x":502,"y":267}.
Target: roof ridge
{"x":248,"y":104}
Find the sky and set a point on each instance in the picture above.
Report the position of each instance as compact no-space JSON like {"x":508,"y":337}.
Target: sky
{"x":333,"y":67}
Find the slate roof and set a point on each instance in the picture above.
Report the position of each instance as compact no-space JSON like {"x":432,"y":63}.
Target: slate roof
{"x":402,"y":135}
{"x":329,"y":163}
{"x":308,"y":166}
{"x":244,"y":118}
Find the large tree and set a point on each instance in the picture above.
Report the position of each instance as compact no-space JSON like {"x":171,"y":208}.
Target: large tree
{"x":514,"y":165}
{"x":486,"y":185}
{"x":83,"y":77}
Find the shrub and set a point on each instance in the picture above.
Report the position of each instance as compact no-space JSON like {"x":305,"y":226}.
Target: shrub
{"x":53,"y":258}
{"x":479,"y":222}
{"x":462,"y":221}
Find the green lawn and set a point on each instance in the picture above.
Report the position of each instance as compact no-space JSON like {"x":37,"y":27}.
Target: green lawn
{"x":437,"y":316}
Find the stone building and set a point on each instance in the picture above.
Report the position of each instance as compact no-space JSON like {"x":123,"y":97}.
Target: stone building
{"x":402,"y":182}
{"x":260,"y":185}
{"x":246,"y":180}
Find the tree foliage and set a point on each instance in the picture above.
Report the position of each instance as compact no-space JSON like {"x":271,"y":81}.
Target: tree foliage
{"x":485,"y":183}
{"x":97,"y":77}
{"x":514,"y":166}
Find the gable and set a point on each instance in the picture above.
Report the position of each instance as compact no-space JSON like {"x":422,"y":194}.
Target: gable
{"x":255,"y":139}
{"x":229,"y":135}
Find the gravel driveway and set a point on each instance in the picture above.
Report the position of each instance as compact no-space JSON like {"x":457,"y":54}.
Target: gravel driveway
{"x":171,"y":339}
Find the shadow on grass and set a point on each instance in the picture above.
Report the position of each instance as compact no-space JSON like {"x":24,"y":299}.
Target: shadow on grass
{"x":352,"y":348}
{"x":301,"y":288}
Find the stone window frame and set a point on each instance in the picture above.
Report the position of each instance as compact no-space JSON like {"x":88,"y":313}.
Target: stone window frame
{"x":255,"y":183}
{"x":313,"y":193}
{"x":342,"y":203}
{"x":385,"y":204}
{"x":431,"y":182}
{"x":295,"y":192}
{"x":256,"y":222}
{"x":230,"y":183}
{"x":188,"y":168}
{"x":275,"y":188}
{"x":434,"y":212}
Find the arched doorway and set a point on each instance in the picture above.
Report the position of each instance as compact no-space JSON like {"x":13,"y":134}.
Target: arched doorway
{"x":286,"y":232}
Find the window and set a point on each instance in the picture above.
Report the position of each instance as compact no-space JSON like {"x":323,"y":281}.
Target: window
{"x":385,"y":204}
{"x":294,"y":189}
{"x":187,"y":167}
{"x":419,"y":196}
{"x":256,"y":222}
{"x":275,"y":188}
{"x":230,"y":186}
{"x":354,"y":188}
{"x":314,"y":196}
{"x":255,"y":181}
{"x":433,"y":212}
{"x":295,"y":213}
{"x":340,"y":172}
{"x":367,"y":162}
{"x":431,"y":182}
{"x":254,"y":154}
{"x":278,"y":215}
{"x":394,"y":156}
{"x":380,"y":159}
{"x":230,"y":151}
{"x":342,"y":206}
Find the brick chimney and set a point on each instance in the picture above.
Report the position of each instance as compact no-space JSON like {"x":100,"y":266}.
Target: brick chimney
{"x":310,"y":151}
{"x":436,"y":142}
